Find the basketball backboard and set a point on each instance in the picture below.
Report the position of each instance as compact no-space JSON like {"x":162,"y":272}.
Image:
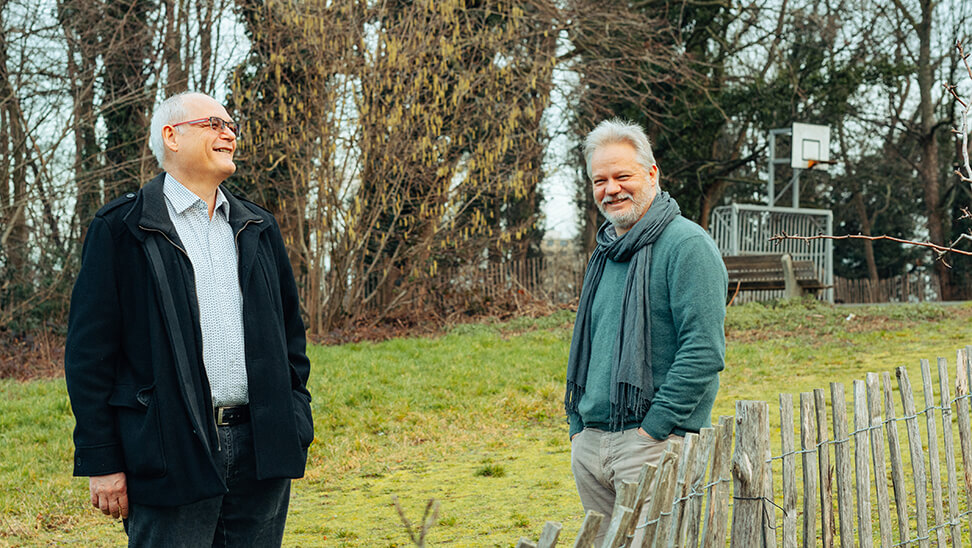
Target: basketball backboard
{"x":811,"y":146}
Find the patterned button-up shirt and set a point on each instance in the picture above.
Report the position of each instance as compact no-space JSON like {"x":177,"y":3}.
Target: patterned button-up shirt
{"x":211,"y":246}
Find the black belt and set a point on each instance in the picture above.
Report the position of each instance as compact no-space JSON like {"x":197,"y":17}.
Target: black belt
{"x":231,"y":415}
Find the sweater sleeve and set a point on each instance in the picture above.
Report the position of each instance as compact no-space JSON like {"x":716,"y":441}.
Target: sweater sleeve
{"x":697,"y":283}
{"x":576,"y":423}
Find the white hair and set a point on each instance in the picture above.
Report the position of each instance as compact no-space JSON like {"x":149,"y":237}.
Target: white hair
{"x":614,"y":131}
{"x":170,"y":111}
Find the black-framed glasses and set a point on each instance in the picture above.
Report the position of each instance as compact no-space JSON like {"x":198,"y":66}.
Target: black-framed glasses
{"x":214,"y":122}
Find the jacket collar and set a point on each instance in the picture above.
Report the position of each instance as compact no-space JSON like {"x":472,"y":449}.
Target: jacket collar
{"x":150,"y":212}
{"x":240,"y":213}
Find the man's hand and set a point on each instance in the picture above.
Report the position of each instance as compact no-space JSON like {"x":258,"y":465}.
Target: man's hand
{"x":641,"y":432}
{"x":110,"y":494}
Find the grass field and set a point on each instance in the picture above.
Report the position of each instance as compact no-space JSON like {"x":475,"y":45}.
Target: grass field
{"x":472,"y":418}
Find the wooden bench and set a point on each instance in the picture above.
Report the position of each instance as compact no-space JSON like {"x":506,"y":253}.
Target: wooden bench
{"x":772,"y":272}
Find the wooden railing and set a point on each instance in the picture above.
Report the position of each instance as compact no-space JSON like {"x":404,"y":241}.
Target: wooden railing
{"x":913,"y":497}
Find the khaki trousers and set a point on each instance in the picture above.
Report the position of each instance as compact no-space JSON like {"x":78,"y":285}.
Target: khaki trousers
{"x":602,"y":460}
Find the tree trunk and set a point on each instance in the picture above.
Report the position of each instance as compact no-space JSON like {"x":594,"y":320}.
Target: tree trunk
{"x":710,"y":197}
{"x":176,"y":80}
{"x":865,"y":221}
{"x":80,"y":24}
{"x":928,"y":169}
{"x":127,"y":44}
{"x":13,"y":147}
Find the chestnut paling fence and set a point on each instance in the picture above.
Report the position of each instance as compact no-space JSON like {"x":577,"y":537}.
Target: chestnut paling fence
{"x":897,"y":475}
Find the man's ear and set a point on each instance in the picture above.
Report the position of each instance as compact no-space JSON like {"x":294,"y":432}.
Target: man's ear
{"x":169,"y":138}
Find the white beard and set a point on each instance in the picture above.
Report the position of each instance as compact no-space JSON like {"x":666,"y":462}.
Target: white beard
{"x":626,"y":219}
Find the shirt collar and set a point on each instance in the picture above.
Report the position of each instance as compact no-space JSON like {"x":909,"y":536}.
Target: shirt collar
{"x":181,"y":198}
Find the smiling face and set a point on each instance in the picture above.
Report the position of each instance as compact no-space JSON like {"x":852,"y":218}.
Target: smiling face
{"x":623,"y":189}
{"x":196,"y":153}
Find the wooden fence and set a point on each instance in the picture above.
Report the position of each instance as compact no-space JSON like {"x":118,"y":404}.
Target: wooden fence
{"x":550,"y":279}
{"x":902,"y":289}
{"x":558,"y":279}
{"x":847,"y":485}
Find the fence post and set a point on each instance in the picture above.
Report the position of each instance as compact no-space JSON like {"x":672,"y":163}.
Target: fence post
{"x":589,"y":529}
{"x":949,"y":446}
{"x":965,"y":429}
{"x":824,"y":470}
{"x":917,"y":456}
{"x":683,"y":482}
{"x":550,"y":534}
{"x":877,"y":457}
{"x":789,"y":471}
{"x":808,"y":440}
{"x":637,"y":526}
{"x":717,"y":507}
{"x":897,"y":468}
{"x":934,"y":465}
{"x":752,"y":439}
{"x":662,"y":484}
{"x":693,"y":510}
{"x":862,"y":465}
{"x":622,"y":515}
{"x":666,"y":494}
{"x":842,"y":464}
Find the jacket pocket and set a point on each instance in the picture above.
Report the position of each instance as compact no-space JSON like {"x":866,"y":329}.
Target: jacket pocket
{"x":305,"y":421}
{"x":140,"y":428}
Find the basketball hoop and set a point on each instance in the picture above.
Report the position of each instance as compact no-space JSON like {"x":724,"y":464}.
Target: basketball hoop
{"x":824,"y":163}
{"x":810,"y":147}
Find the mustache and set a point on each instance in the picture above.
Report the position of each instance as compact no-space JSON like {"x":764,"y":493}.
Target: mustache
{"x":619,"y":196}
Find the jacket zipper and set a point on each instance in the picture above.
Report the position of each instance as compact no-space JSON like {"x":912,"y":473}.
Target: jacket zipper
{"x":238,"y":232}
{"x":212,"y":414}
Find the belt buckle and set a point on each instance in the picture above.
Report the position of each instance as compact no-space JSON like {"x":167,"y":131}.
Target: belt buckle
{"x":219,"y":416}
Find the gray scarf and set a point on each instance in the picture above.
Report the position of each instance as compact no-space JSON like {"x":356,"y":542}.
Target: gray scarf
{"x":631,"y":378}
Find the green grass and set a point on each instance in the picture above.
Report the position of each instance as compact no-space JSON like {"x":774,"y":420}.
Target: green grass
{"x":472,"y":418}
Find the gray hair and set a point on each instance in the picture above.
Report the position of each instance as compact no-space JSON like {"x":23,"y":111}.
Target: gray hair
{"x":168,"y":112}
{"x":614,"y":131}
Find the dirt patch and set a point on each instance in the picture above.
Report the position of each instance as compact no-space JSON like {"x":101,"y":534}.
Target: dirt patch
{"x":826,"y":323}
{"x":425,"y":323}
{"x":26,"y":356}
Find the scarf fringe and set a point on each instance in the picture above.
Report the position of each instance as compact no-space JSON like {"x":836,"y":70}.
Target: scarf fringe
{"x":632,"y":401}
{"x":572,"y":397}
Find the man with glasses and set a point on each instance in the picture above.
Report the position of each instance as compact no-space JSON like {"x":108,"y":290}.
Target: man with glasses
{"x":185,"y":358}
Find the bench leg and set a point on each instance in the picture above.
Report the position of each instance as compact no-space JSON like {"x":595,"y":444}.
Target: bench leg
{"x":789,"y":278}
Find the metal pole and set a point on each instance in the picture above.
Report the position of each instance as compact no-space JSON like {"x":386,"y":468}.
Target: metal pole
{"x":796,"y":187}
{"x":773,"y":161}
{"x":771,"y":198}
{"x":829,"y":254}
{"x":734,"y":235}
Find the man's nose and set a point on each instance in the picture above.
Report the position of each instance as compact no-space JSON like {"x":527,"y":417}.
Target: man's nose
{"x":612,"y":186}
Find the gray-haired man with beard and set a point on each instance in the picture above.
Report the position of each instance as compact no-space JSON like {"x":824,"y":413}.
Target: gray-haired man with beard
{"x":648,"y":341}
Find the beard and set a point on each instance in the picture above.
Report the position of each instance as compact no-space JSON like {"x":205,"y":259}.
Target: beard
{"x":627,"y":218}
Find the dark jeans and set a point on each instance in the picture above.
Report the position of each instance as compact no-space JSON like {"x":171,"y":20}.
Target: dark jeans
{"x":252,"y":514}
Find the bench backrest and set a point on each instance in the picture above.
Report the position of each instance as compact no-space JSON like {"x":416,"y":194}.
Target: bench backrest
{"x":765,"y":267}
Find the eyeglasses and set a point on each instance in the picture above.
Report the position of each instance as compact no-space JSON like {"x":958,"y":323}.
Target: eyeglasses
{"x":214,"y":122}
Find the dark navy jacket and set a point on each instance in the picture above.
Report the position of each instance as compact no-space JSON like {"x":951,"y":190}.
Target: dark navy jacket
{"x":138,"y":410}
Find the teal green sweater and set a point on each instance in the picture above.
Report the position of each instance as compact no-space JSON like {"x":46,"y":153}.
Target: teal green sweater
{"x":687,"y":294}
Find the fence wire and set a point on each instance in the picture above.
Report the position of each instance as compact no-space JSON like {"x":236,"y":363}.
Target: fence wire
{"x":945,"y":409}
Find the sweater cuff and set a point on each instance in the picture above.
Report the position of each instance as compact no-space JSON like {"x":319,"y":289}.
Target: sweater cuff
{"x":98,"y":461}
{"x":657,"y":425}
{"x":576,"y":424}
